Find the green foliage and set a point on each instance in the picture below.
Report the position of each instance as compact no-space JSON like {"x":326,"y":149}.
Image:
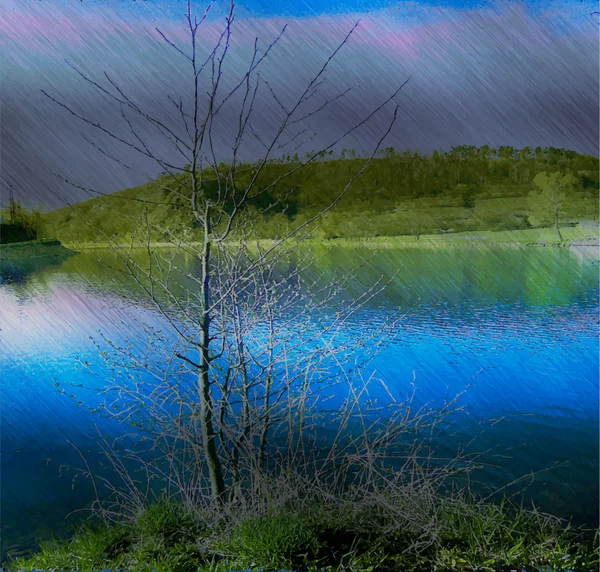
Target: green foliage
{"x":467,"y":188}
{"x":19,"y":224}
{"x":163,"y":537}
{"x":553,"y":190}
{"x":466,"y":534}
{"x":166,"y":523}
{"x":283,"y":541}
{"x":488,"y":536}
{"x":89,"y":549}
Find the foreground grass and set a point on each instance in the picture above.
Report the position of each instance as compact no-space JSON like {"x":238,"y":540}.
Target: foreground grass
{"x":462,"y":534}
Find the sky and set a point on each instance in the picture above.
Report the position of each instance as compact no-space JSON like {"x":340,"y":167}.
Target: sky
{"x":496,"y":72}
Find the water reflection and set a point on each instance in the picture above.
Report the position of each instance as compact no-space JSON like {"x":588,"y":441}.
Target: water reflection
{"x":16,"y":268}
{"x":521,"y":326}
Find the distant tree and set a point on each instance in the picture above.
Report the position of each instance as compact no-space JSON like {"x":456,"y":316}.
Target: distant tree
{"x":545,"y":202}
{"x":483,"y":155}
{"x":423,"y":221}
{"x":19,"y":224}
{"x":526,"y":153}
{"x":467,"y":195}
{"x":505,"y":152}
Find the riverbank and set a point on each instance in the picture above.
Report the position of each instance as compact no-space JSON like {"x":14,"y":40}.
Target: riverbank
{"x":466,"y":534}
{"x":20,"y":259}
{"x":580,"y":235}
{"x":33,"y":249}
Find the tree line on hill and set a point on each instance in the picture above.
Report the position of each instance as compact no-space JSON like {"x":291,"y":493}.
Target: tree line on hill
{"x":413,"y":193}
{"x":410,"y":193}
{"x":464,"y":173}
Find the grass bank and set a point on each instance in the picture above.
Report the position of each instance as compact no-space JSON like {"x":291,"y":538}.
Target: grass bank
{"x":456,"y":532}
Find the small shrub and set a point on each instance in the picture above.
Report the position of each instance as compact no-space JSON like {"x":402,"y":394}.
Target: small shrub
{"x":510,"y":222}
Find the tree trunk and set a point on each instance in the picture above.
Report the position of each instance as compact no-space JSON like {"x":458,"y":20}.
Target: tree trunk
{"x":265,"y":429}
{"x":556,"y":225}
{"x":215,"y":470}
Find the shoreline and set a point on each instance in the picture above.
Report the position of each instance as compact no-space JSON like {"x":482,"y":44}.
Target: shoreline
{"x":358,"y":243}
{"x":582,"y":235}
{"x":33,"y":250}
{"x":430,"y":241}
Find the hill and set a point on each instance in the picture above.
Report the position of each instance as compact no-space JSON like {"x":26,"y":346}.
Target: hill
{"x":466,"y":189}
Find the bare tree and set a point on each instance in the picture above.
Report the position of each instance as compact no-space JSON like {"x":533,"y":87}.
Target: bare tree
{"x":231,"y":393}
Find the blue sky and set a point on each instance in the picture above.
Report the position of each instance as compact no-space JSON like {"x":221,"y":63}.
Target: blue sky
{"x":572,"y":10}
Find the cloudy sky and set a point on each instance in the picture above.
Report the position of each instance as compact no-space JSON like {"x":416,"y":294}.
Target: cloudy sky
{"x":496,"y":72}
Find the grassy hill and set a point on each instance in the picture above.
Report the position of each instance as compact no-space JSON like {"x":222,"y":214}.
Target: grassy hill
{"x":466,"y":189}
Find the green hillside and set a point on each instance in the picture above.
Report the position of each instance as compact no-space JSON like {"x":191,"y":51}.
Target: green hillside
{"x":466,"y":189}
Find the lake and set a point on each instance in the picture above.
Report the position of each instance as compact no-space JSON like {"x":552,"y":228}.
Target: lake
{"x":519,"y":325}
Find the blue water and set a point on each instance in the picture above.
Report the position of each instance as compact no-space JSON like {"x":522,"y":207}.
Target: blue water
{"x":518,"y":328}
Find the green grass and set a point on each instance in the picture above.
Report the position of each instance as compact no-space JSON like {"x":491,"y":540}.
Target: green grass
{"x":163,"y":538}
{"x":463,"y":534}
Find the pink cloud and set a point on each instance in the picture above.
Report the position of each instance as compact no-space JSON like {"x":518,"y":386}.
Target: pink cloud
{"x":55,"y":31}
{"x":59,"y":28}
